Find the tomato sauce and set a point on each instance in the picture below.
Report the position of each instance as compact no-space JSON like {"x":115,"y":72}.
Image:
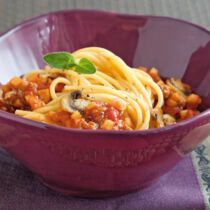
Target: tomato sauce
{"x":34,"y":92}
{"x":96,"y":115}
{"x":27,"y":94}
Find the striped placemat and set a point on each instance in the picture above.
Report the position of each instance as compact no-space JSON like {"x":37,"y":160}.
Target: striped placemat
{"x":196,"y":11}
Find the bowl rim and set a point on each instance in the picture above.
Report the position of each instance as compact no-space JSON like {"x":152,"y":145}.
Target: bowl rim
{"x":33,"y":19}
{"x":28,"y":122}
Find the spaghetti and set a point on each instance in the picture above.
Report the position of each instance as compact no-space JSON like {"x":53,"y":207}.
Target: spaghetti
{"x":116,"y":97}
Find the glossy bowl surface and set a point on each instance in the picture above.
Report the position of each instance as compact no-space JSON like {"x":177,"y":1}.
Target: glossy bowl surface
{"x":106,"y":163}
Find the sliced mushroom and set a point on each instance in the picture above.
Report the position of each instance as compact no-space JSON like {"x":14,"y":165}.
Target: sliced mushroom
{"x":1,"y":93}
{"x":168,"y":119}
{"x":74,"y":102}
{"x":81,"y":104}
{"x":156,"y":118}
{"x":76,"y":94}
{"x":177,"y":85}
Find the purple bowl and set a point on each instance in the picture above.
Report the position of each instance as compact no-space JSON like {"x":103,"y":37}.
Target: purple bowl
{"x":106,"y":163}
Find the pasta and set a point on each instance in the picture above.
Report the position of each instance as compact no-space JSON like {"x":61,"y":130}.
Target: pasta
{"x":116,"y":97}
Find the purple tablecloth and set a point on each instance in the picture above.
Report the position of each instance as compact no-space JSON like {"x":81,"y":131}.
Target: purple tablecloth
{"x":20,"y":190}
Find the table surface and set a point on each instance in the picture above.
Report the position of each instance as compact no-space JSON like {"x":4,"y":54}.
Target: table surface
{"x":19,"y":189}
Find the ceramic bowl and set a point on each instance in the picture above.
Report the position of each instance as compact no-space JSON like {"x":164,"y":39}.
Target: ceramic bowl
{"x":106,"y":163}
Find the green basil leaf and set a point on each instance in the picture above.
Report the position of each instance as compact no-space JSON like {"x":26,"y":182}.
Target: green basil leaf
{"x":65,"y":60}
{"x":60,"y":60}
{"x":85,"y":67}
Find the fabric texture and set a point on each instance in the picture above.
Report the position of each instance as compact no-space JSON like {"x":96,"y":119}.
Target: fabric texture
{"x":201,"y":161}
{"x":196,"y":11}
{"x":179,"y":189}
{"x":19,"y":189}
